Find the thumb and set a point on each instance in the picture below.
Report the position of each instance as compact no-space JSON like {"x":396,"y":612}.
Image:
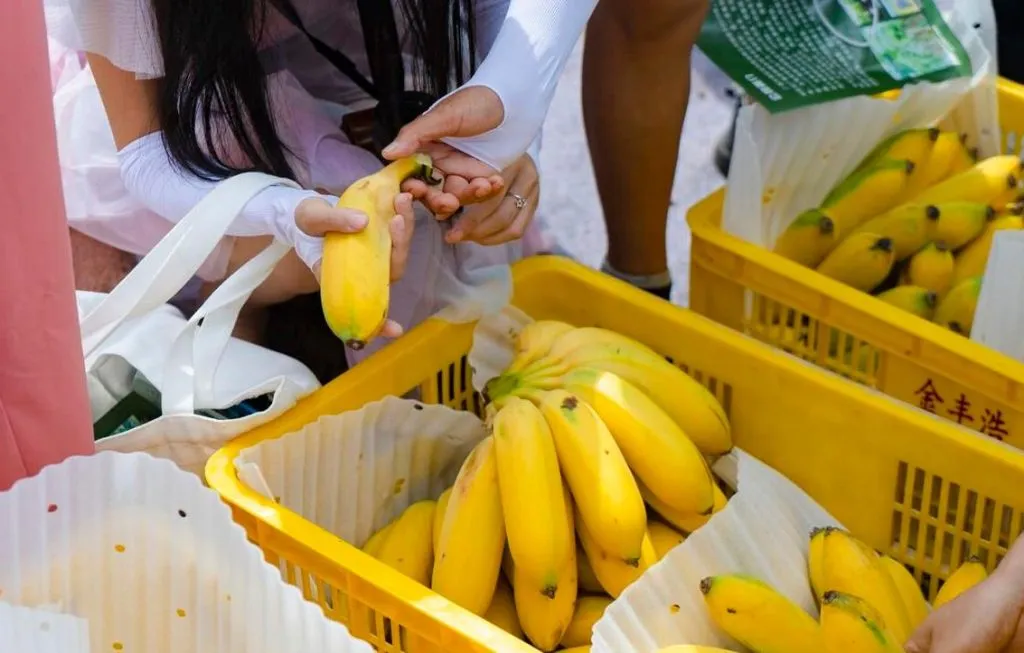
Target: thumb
{"x":920,"y":641}
{"x":468,"y":112}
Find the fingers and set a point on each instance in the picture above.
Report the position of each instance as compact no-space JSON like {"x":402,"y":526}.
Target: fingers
{"x":391,"y":329}
{"x":500,"y":220}
{"x":315,"y":217}
{"x":401,"y":228}
{"x":468,"y":112}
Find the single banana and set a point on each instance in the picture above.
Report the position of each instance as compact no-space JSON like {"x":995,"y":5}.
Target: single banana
{"x":972,"y":260}
{"x":956,"y":310}
{"x":502,"y":611}
{"x":442,"y":506}
{"x":539,"y":536}
{"x":660,"y":454}
{"x":545,"y":619}
{"x":689,"y":648}
{"x":816,"y":562}
{"x":969,"y":574}
{"x":910,"y":591}
{"x":602,"y":485}
{"x":664,"y":538}
{"x":948,"y":157}
{"x":693,"y":408}
{"x":808,"y":239}
{"x":862,"y":261}
{"x":868,"y":192}
{"x":585,"y":576}
{"x":961,"y":222}
{"x":376,"y":541}
{"x":909,"y":226}
{"x":931,"y":269}
{"x":850,"y":625}
{"x":589,"y":609}
{"x":851,"y":567}
{"x":409,"y":546}
{"x":964,"y":159}
{"x":575,"y":649}
{"x":614,"y":574}
{"x":994,"y":181}
{"x":685,"y":522}
{"x":755,"y":615}
{"x":914,"y":145}
{"x":534,"y":341}
{"x":468,"y":560}
{"x":355,"y":274}
{"x":912,"y":299}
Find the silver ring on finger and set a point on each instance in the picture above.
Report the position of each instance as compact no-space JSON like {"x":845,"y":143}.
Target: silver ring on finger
{"x":520,"y":201}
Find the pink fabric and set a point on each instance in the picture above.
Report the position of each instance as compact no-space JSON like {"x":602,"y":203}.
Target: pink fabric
{"x":44,"y":408}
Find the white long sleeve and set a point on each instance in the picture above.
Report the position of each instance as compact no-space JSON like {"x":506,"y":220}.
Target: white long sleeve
{"x":523,"y":68}
{"x":167,"y":191}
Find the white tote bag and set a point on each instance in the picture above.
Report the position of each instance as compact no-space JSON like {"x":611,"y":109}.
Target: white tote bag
{"x":195,"y":363}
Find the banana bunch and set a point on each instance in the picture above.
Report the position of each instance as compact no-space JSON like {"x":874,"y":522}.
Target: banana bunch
{"x":913,"y":224}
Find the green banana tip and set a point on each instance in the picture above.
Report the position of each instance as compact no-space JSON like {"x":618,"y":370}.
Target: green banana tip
{"x":830,"y":597}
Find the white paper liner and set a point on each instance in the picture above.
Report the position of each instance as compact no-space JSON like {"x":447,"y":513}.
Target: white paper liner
{"x":152,"y":561}
{"x":786,"y":163}
{"x":764,"y":531}
{"x":39,"y":630}
{"x":353,"y":473}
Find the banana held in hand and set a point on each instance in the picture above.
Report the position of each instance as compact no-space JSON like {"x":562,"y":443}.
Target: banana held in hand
{"x":971,"y":573}
{"x":614,"y":574}
{"x":972,"y":260}
{"x":589,"y":609}
{"x":913,"y":299}
{"x":409,"y":546}
{"x":468,"y":560}
{"x":534,"y":341}
{"x":355,"y":274}
{"x":956,"y":310}
{"x":808,"y":239}
{"x":851,"y":567}
{"x":910,"y":591}
{"x":602,"y":485}
{"x":755,"y":615}
{"x":994,"y":181}
{"x":961,"y":222}
{"x":849,"y":624}
{"x":539,"y":535}
{"x":909,"y":226}
{"x":932,"y":269}
{"x":868,"y":192}
{"x":862,"y":261}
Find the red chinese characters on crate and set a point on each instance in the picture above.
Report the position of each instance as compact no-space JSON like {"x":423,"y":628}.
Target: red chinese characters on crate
{"x":962,"y":411}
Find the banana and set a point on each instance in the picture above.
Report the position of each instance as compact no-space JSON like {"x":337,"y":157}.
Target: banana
{"x":909,"y":226}
{"x":849,"y":624}
{"x":355,"y":275}
{"x":502,"y":611}
{"x":585,"y":576}
{"x":931,"y":269}
{"x":994,"y":181}
{"x":808,"y":239}
{"x":686,"y":522}
{"x":956,"y":310}
{"x":964,"y":159}
{"x":913,"y":299}
{"x":575,"y":649}
{"x":660,"y":454}
{"x":816,"y":562}
{"x":539,"y":537}
{"x":376,"y":541}
{"x":862,"y":261}
{"x":545,"y":619}
{"x":693,"y":408}
{"x":589,"y":610}
{"x":948,"y":157}
{"x":442,"y":506}
{"x":468,"y":558}
{"x":961,"y":222}
{"x":689,"y":648}
{"x":534,"y":341}
{"x":910,"y":592}
{"x":409,"y":547}
{"x":851,"y":567}
{"x":755,"y":615}
{"x":664,"y":538}
{"x":972,"y":259}
{"x":967,"y":576}
{"x":868,"y":192}
{"x":602,"y":485}
{"x":915,"y":145}
{"x":614,"y":574}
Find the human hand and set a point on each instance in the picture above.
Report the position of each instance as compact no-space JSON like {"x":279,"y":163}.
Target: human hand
{"x":315,"y":217}
{"x":985,"y":619}
{"x":468,"y":112}
{"x":499,"y":220}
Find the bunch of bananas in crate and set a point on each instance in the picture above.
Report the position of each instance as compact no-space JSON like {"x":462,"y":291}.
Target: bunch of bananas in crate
{"x":913,"y":224}
{"x":588,"y":429}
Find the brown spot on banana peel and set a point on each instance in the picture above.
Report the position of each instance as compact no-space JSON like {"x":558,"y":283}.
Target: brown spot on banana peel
{"x":550,"y":591}
{"x":570,"y":403}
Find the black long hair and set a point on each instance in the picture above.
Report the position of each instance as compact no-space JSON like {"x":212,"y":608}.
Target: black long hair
{"x":213,"y":78}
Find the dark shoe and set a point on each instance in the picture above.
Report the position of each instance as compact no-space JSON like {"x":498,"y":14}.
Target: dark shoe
{"x":723,"y":152}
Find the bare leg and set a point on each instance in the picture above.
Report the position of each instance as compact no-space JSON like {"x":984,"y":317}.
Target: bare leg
{"x":636,"y":85}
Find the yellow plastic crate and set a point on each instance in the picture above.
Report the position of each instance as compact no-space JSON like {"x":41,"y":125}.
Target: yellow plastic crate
{"x":902,"y":479}
{"x":784,"y":304}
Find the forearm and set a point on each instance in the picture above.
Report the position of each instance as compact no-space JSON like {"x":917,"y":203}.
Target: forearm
{"x":1012,"y":567}
{"x":523,"y":67}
